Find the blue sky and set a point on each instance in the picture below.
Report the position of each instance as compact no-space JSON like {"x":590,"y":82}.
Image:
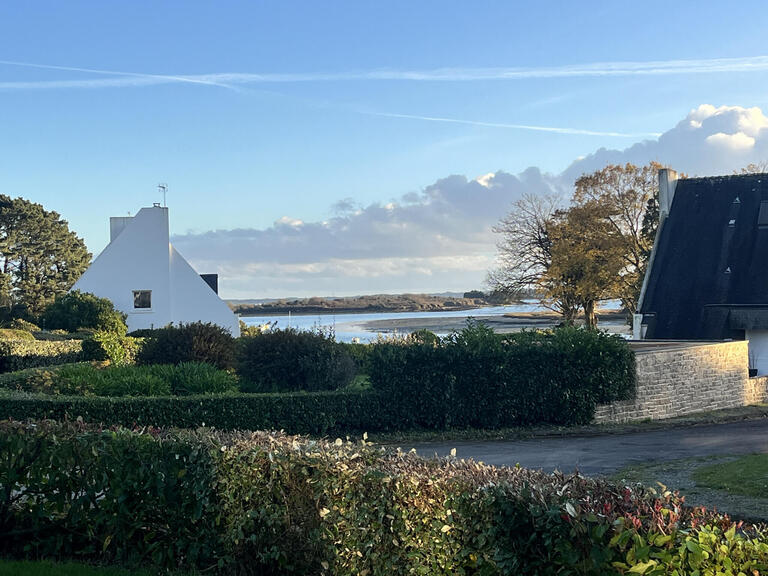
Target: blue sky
{"x":257,"y":111}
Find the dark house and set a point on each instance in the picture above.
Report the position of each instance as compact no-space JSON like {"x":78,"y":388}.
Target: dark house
{"x":708,"y":274}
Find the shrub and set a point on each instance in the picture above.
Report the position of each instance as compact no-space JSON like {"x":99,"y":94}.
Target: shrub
{"x":189,"y":378}
{"x":76,"y":310}
{"x":337,"y":412}
{"x":119,"y":350}
{"x":11,"y":334}
{"x":21,"y":324}
{"x":476,"y":378}
{"x":195,"y":342}
{"x":86,"y":379}
{"x":259,"y":503}
{"x":20,"y":354}
{"x":288,"y":360}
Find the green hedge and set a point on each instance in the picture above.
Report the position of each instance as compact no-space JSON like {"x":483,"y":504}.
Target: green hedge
{"x":297,"y":413}
{"x":20,"y":354}
{"x":479,"y":379}
{"x":263,"y":503}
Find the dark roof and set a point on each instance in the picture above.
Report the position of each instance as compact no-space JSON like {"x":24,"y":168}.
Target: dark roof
{"x":711,"y":251}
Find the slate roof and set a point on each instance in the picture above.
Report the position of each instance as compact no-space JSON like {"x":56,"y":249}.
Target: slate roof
{"x":709,"y":276}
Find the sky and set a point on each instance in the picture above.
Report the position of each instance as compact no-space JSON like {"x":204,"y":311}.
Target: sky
{"x":338,"y":148}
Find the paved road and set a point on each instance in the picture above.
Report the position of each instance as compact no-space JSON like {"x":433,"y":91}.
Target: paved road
{"x":593,"y":455}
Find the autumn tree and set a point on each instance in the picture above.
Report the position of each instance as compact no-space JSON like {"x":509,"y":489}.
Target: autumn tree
{"x":586,"y":258}
{"x":624,"y":194}
{"x":40,"y":257}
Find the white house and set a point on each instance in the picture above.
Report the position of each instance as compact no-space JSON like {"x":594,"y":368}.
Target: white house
{"x":146,"y":278}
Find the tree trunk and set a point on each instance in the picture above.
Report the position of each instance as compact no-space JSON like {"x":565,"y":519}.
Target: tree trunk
{"x":590,"y":318}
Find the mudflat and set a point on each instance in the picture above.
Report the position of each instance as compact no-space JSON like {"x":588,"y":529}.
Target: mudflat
{"x":613,"y":321}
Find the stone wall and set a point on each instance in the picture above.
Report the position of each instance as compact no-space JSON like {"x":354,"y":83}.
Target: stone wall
{"x":674,"y":379}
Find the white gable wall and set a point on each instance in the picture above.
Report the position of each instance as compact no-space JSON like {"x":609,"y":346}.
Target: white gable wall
{"x":195,"y":301}
{"x":137,"y":259}
{"x":140,"y":257}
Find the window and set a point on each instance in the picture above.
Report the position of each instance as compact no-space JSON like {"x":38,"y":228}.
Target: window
{"x":142,"y":299}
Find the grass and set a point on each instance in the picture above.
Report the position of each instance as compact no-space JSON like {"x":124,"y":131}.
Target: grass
{"x":47,"y":568}
{"x":746,"y":475}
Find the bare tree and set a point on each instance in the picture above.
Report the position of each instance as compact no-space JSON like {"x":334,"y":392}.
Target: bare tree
{"x":525,"y":252}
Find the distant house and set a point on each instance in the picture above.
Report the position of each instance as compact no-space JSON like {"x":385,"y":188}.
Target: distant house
{"x":146,"y":278}
{"x":707,"y":278}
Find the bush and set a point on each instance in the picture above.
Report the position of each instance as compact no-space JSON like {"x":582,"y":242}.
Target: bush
{"x":196,"y":378}
{"x":290,"y":360}
{"x":195,"y":342}
{"x":21,"y":324}
{"x":11,"y":334}
{"x":20,"y":354}
{"x":119,"y":350}
{"x":90,"y":380}
{"x":480,"y":379}
{"x":299,"y":412}
{"x":259,"y":503}
{"x":76,"y":310}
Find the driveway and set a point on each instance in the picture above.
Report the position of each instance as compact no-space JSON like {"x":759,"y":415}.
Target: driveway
{"x":598,"y":455}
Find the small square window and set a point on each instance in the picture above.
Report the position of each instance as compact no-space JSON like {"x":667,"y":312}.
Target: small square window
{"x":142,"y":299}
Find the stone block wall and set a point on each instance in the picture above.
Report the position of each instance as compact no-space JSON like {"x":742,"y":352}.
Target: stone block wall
{"x":676,"y":379}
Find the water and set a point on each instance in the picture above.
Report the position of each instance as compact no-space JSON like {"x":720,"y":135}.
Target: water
{"x":352,"y":326}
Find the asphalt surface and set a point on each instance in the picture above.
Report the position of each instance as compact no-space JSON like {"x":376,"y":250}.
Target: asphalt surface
{"x":600,"y":455}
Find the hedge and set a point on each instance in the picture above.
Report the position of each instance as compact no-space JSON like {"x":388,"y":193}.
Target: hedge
{"x":20,"y":354}
{"x":262,"y":503}
{"x":476,"y":378}
{"x":318,"y":413}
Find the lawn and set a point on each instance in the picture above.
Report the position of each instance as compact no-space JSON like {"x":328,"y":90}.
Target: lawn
{"x":46,"y":568}
{"x":747,"y":475}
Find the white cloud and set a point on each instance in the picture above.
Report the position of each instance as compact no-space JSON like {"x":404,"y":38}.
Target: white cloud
{"x":440,"y":238}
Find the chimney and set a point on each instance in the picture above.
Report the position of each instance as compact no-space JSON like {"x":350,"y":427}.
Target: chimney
{"x":667,"y":184}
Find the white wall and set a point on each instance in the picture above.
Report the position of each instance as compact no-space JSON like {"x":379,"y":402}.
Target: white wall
{"x":758,"y":350}
{"x":140,"y":257}
{"x":194,"y":301}
{"x":137,"y":259}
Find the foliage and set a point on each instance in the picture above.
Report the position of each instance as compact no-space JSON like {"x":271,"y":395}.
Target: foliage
{"x":11,"y":334}
{"x":424,"y":336}
{"x":41,"y":258}
{"x":122,"y":380}
{"x":77,"y":310}
{"x":103,"y":345}
{"x":47,"y":568}
{"x":20,"y":354}
{"x":360,"y":355}
{"x":336,"y":412}
{"x":597,"y":248}
{"x":625,"y":194}
{"x":189,"y":378}
{"x":480,"y":379}
{"x":586,"y":259}
{"x":476,"y":294}
{"x":259,"y":503}
{"x":289,"y":360}
{"x":21,"y":324}
{"x":194,"y":342}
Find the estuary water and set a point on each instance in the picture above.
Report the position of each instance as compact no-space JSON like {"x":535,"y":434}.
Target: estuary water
{"x":349,"y":327}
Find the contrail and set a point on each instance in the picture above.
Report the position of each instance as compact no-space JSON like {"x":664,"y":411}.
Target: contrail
{"x":231,"y":79}
{"x":555,"y":130}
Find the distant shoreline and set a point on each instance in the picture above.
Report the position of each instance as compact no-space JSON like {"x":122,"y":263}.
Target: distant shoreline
{"x":311,"y":311}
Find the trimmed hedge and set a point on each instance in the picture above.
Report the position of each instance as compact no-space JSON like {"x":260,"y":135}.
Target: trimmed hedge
{"x":86,"y":379}
{"x":119,"y":350}
{"x":298,"y":413}
{"x":264,"y":503}
{"x":20,"y":354}
{"x":476,"y":378}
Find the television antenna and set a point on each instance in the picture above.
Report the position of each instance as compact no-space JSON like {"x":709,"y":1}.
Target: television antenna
{"x":163,"y":189}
